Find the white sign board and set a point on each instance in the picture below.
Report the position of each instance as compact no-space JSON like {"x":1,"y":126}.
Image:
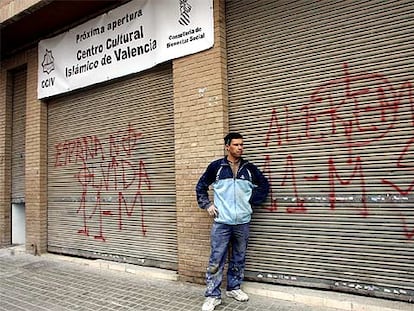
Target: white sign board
{"x":131,"y":38}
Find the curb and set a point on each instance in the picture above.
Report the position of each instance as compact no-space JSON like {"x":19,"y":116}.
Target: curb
{"x":328,"y":299}
{"x":100,"y":264}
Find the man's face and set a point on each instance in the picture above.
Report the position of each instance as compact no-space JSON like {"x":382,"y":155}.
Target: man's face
{"x":235,"y":149}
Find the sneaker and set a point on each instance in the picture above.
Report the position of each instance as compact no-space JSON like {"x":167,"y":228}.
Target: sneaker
{"x":210,"y":303}
{"x":237,"y":294}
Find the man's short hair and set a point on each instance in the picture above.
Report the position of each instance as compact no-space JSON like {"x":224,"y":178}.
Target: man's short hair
{"x":230,"y":136}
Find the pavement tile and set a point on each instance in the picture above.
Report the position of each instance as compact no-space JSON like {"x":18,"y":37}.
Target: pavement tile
{"x":33,"y":283}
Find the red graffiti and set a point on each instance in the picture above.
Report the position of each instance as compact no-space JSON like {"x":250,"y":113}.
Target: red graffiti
{"x":291,"y":175}
{"x":403,"y":164}
{"x":142,"y":177}
{"x":342,"y":116}
{"x":340,"y":108}
{"x":83,"y":149}
{"x":268,"y":173}
{"x":107,"y":168}
{"x":409,"y":233}
{"x":356,"y":173}
{"x":289,"y":178}
{"x":77,"y":150}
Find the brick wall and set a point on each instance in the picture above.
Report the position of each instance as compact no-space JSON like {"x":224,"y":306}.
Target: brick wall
{"x":5,"y":157}
{"x":201,"y":122}
{"x":10,"y":8}
{"x":35,"y":155}
{"x":36,"y":163}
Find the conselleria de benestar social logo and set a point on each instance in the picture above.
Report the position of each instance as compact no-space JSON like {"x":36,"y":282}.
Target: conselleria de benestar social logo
{"x":185,"y":9}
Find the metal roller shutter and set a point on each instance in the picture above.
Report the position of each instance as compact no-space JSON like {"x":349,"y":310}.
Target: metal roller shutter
{"x":323,"y":93}
{"x":18,"y":135}
{"x":111,"y":180}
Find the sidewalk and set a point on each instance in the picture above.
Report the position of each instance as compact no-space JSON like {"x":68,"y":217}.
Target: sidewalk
{"x":61,"y":283}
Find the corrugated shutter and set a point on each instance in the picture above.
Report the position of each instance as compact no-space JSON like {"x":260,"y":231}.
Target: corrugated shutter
{"x":111,"y":180}
{"x":18,"y":135}
{"x":323,"y":92}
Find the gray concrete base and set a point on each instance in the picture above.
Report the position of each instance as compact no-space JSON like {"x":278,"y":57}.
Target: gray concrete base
{"x":329,"y":299}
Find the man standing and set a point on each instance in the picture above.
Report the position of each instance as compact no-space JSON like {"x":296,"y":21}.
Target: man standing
{"x":237,"y":185}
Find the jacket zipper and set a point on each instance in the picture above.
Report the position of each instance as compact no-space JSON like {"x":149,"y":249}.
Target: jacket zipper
{"x":234,"y":191}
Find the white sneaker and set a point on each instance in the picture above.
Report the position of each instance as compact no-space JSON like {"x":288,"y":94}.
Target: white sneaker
{"x":237,"y":294}
{"x":210,"y":303}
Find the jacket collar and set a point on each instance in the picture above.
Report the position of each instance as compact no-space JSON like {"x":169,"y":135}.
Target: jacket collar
{"x":225,"y":161}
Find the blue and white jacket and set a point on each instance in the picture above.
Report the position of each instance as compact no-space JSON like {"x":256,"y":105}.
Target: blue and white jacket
{"x":233,"y":195}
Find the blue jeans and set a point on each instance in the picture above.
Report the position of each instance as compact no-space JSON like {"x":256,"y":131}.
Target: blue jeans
{"x":223,"y":236}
